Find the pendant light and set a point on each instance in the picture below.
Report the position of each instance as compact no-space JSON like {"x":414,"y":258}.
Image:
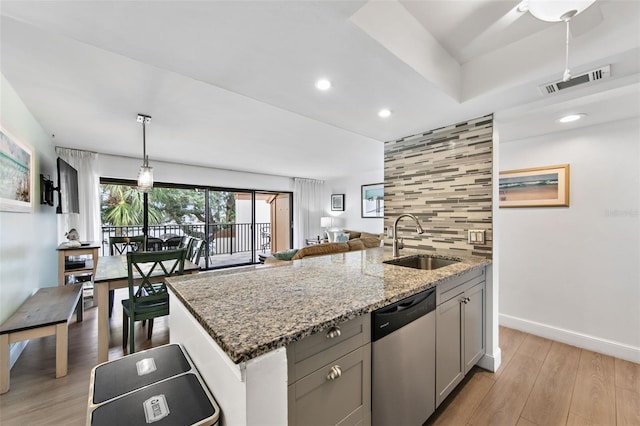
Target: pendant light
{"x":558,"y":11}
{"x":145,"y":177}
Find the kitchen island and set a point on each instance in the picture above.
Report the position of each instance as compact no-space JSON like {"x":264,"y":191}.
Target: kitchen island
{"x":236,"y":325}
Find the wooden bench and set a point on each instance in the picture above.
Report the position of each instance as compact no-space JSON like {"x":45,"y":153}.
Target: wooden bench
{"x":45,"y":313}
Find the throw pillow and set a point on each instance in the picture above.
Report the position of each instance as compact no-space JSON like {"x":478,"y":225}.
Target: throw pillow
{"x":331,"y":236}
{"x":286,"y":254}
{"x":341,"y":237}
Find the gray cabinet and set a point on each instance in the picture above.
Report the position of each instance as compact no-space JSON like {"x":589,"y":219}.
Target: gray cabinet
{"x":329,"y":375}
{"x":460,"y":330}
{"x":449,"y":368}
{"x":474,"y":327}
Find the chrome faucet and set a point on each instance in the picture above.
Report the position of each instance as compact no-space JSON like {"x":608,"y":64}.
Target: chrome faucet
{"x":398,"y":245}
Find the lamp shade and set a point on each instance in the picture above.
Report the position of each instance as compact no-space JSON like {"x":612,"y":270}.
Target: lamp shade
{"x":557,"y":10}
{"x":325,"y":221}
{"x":145,"y":179}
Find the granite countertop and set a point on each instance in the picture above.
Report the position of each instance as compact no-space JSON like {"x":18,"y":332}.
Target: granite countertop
{"x":251,"y":311}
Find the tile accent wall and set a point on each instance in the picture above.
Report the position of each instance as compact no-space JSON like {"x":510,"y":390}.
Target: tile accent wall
{"x":444,"y":178}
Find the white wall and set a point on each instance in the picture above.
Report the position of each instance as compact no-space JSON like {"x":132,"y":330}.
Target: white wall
{"x":127,"y":168}
{"x":351,"y":217}
{"x":573,"y":274}
{"x":28,"y":257}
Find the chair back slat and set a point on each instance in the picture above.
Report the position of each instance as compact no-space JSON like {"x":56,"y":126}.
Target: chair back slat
{"x":186,"y":242}
{"x":152,"y":267}
{"x":124,"y":245}
{"x":195,"y":251}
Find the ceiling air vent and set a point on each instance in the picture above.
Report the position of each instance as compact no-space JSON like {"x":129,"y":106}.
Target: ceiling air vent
{"x":593,"y":75}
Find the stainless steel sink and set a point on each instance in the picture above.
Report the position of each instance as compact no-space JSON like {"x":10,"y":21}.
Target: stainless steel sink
{"x":421,"y":261}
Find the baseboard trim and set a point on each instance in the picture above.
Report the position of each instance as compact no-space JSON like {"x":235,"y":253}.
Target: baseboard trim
{"x":584,"y":341}
{"x":491,"y":362}
{"x":15,"y":350}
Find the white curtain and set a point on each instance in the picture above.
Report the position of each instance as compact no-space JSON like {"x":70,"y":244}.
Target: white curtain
{"x":307,"y":209}
{"x":87,"y":223}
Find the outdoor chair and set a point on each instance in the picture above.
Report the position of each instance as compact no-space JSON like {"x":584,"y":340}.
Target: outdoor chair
{"x":154,"y":244}
{"x":149,"y":299}
{"x":185,"y":242}
{"x":195,"y":251}
{"x":173,"y":243}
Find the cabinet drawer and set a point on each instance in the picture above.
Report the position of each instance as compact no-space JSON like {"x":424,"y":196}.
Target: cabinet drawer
{"x":312,"y":352}
{"x":346,"y":400}
{"x":449,"y":289}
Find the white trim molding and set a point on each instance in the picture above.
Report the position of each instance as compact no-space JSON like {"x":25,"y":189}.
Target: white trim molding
{"x":584,"y":341}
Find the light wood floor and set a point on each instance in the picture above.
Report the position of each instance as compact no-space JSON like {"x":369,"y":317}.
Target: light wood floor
{"x":540,"y":382}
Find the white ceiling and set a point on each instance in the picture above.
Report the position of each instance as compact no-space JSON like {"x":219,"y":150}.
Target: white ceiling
{"x":230,"y":84}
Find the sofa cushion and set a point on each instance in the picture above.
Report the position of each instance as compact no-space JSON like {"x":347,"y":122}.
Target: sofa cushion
{"x":321,"y":249}
{"x":368,"y":235}
{"x":352,"y":234}
{"x":355,"y":244}
{"x":370,"y":242}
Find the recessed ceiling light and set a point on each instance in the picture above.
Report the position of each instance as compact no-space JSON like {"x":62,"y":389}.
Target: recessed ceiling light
{"x":384,"y":113}
{"x":323,"y":84}
{"x":571,"y":117}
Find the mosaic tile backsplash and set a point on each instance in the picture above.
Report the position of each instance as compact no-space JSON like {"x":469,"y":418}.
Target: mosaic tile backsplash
{"x":444,"y":178}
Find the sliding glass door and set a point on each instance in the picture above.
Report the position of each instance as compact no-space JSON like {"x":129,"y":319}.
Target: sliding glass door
{"x":229,"y":229}
{"x":238,"y":226}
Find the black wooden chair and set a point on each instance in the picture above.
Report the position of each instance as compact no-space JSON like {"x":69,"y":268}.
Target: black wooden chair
{"x":120,"y":246}
{"x":149,"y":299}
{"x":124,"y":245}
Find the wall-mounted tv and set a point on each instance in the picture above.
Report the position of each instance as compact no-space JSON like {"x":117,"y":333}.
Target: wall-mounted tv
{"x":67,"y":188}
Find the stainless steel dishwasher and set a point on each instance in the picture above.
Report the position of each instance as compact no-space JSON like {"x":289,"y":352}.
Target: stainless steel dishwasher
{"x":403,"y":361}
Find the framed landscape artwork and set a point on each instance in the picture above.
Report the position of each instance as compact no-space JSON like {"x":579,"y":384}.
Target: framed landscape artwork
{"x":536,"y":187}
{"x":337,"y":202}
{"x":373,"y":200}
{"x":16,"y":174}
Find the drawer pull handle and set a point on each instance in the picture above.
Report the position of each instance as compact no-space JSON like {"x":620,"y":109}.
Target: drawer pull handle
{"x":334,"y":332}
{"x":334,"y":373}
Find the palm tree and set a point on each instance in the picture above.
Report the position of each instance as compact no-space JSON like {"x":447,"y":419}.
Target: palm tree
{"x":124,"y":206}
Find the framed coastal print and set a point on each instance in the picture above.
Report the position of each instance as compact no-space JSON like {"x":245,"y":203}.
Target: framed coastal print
{"x":337,"y":202}
{"x":373,"y":200}
{"x":536,"y":187}
{"x":16,"y":174}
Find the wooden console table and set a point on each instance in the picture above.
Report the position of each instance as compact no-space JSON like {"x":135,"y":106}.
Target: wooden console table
{"x":65,"y":252}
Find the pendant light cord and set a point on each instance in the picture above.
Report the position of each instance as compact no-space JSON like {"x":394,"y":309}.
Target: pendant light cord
{"x":567,"y":73}
{"x":145,"y":160}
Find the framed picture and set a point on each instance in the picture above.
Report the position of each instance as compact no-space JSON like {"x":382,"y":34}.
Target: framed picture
{"x":337,"y":202}
{"x":373,"y":200}
{"x":536,"y":187}
{"x":16,"y":174}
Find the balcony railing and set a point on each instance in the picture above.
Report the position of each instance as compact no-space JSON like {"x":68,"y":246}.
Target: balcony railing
{"x":221,"y":238}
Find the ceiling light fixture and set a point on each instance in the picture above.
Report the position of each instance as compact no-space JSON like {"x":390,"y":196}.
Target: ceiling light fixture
{"x":571,"y":117}
{"x":323,"y":84}
{"x":145,"y":176}
{"x":557,"y":11}
{"x":523,"y":6}
{"x":384,"y":113}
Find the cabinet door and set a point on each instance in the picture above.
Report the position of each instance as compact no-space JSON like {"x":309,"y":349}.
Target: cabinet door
{"x":321,"y":398}
{"x":474,"y":328}
{"x":449,"y":365}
